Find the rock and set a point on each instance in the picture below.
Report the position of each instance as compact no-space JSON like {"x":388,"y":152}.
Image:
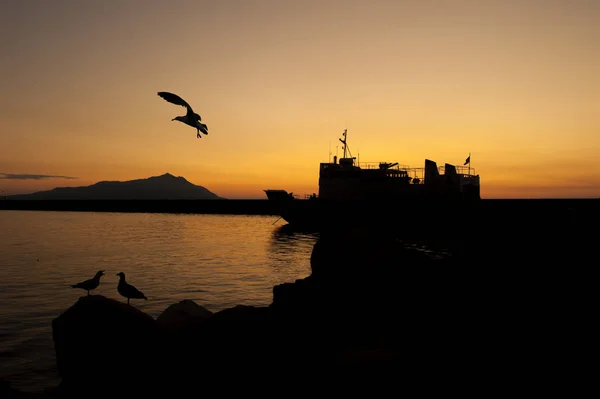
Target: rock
{"x":236,"y":340}
{"x":8,"y":392}
{"x":101,"y":339}
{"x":181,"y":326}
{"x":340,"y":318}
{"x":182,"y":314}
{"x":238,"y":329}
{"x":242,"y":313}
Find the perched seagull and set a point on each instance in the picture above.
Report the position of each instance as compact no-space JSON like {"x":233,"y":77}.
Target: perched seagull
{"x":127,"y":290}
{"x":191,"y":118}
{"x":90,"y":284}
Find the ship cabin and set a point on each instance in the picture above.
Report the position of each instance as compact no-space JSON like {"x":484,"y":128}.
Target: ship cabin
{"x":348,"y":180}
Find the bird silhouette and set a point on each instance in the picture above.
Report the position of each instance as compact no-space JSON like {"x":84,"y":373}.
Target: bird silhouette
{"x":190,"y":118}
{"x":128,"y":290}
{"x":90,"y":284}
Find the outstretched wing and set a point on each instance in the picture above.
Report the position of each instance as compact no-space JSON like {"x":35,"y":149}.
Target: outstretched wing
{"x":175,"y":99}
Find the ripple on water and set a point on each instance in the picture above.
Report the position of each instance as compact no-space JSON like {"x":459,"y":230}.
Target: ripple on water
{"x":217,"y":261}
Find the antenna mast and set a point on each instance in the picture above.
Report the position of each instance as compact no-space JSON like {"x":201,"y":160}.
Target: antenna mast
{"x":344,"y":142}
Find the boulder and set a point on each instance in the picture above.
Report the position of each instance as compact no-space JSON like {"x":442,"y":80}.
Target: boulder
{"x":181,"y":325}
{"x":237,"y":330}
{"x":101,"y":339}
{"x":182,"y":314}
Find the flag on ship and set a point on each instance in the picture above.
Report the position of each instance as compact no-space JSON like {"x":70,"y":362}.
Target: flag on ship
{"x":468,"y":160}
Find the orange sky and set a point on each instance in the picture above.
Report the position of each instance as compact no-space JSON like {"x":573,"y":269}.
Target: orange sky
{"x":516,"y":84}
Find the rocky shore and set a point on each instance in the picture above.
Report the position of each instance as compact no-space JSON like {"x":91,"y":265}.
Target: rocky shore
{"x":371,"y":314}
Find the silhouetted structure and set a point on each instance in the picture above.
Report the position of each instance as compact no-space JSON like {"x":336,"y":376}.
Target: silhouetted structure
{"x":163,"y":187}
{"x":372,"y":312}
{"x":348,"y":189}
{"x":191,"y":118}
{"x":192,"y":206}
{"x":91,"y":284}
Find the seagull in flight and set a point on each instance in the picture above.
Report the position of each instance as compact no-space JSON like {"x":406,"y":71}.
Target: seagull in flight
{"x":190,"y":118}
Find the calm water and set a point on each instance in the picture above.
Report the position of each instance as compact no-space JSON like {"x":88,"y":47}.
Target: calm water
{"x":218,"y":261}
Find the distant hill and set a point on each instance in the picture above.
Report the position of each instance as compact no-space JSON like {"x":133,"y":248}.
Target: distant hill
{"x":165,"y":186}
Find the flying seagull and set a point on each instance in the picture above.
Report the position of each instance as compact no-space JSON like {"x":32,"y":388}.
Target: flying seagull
{"x":90,"y":284}
{"x":128,"y":290}
{"x":191,"y":118}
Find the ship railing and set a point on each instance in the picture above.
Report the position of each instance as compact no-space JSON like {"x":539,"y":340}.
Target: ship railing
{"x":460,"y":169}
{"x":416,"y":173}
{"x":375,"y":165}
{"x":419,"y":172}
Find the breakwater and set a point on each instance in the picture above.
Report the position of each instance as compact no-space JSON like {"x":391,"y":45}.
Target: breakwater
{"x":265,"y":207}
{"x":226,"y":207}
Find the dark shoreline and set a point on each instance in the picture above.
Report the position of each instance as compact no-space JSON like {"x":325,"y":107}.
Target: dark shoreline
{"x":256,"y":206}
{"x":371,"y":310}
{"x":226,"y":207}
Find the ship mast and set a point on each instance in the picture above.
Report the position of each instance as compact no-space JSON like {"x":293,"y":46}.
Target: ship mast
{"x":346,"y":149}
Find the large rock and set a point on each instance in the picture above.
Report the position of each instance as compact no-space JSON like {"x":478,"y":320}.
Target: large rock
{"x":182,"y":314}
{"x":181,"y":325}
{"x":235,"y":340}
{"x":102,"y":344}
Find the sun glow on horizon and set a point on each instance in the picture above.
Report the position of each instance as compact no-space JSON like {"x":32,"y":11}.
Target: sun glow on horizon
{"x":515,"y":85}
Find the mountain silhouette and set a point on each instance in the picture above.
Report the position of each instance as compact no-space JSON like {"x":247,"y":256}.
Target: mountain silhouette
{"x":161,"y":187}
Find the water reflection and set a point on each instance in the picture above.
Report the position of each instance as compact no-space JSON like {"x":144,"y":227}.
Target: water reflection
{"x":218,"y":261}
{"x":288,"y":235}
{"x":292,"y":244}
{"x":290,"y":249}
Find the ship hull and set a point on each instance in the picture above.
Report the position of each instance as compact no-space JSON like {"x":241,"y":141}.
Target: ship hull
{"x":436,"y":218}
{"x":413,"y":216}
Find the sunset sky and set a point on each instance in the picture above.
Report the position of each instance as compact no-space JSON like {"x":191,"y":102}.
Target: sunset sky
{"x":514,"y":83}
